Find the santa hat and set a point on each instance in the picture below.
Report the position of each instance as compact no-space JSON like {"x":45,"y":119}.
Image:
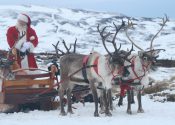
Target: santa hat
{"x":25,"y":18}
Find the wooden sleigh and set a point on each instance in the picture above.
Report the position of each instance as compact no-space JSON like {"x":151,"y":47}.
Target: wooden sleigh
{"x":32,"y":89}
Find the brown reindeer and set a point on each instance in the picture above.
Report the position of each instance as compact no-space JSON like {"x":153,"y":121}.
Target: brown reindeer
{"x":5,"y":74}
{"x":100,"y":71}
{"x":7,"y":59}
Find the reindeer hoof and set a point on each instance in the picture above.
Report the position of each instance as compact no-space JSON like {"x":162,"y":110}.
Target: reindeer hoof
{"x":101,"y":111}
{"x":63,"y":114}
{"x":108,"y":114}
{"x":96,"y":114}
{"x":71,"y":112}
{"x":129,"y":112}
{"x":111,"y":108}
{"x":140,"y":111}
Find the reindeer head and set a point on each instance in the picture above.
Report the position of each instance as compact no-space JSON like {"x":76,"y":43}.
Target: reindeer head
{"x":118,"y":56}
{"x":147,"y":57}
{"x":6,"y":61}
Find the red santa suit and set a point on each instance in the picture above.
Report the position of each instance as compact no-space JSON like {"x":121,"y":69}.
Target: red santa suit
{"x":30,"y":39}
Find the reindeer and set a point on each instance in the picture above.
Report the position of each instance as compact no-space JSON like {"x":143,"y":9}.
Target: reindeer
{"x":139,"y":67}
{"x":100,"y":72}
{"x":7,"y":60}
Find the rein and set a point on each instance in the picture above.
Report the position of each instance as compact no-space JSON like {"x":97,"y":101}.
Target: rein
{"x":112,"y":71}
{"x":136,"y":76}
{"x":59,"y":82}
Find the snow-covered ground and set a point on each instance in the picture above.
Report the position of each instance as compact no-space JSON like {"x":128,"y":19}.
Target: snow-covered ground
{"x":155,"y":113}
{"x":52,"y":25}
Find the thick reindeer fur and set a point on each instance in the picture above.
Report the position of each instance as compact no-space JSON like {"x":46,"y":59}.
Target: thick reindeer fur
{"x":138,"y":64}
{"x":144,"y":81}
{"x":71,"y":63}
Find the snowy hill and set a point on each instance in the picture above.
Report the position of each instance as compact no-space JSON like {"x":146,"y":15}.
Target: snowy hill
{"x":52,"y":25}
{"x":56,"y":24}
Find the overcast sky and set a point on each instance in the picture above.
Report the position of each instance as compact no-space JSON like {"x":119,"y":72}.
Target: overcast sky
{"x":135,"y":8}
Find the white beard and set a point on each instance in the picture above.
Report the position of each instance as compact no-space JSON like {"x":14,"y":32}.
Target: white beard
{"x":21,"y":29}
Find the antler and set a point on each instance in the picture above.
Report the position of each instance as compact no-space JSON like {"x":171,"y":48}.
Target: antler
{"x":57,"y":50}
{"x":104,"y":37}
{"x":68,"y":49}
{"x":75,"y":44}
{"x":130,"y":24}
{"x":164,"y":21}
{"x":129,"y":53}
{"x":117,"y":30}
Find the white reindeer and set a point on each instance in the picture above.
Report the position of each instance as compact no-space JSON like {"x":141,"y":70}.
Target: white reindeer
{"x":139,"y":66}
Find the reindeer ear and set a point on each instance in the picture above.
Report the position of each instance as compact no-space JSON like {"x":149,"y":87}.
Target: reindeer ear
{"x":140,"y":53}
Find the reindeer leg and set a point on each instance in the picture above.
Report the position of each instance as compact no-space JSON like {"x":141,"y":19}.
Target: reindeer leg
{"x":129,"y":102}
{"x":110,"y":99}
{"x":69,"y":101}
{"x":120,"y":102}
{"x":95,"y":97}
{"x":132,"y":96}
{"x":102,"y":110}
{"x":61,"y":94}
{"x":140,"y":109}
{"x":106,"y":103}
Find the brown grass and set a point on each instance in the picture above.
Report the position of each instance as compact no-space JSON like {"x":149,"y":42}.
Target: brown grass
{"x":156,"y":88}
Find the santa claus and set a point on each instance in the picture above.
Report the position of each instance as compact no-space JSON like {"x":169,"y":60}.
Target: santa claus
{"x":23,"y":38}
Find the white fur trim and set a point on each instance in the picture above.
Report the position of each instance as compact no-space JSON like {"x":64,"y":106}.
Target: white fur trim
{"x":32,"y":47}
{"x":23,"y":18}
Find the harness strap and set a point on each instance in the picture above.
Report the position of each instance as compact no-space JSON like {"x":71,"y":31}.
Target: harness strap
{"x":84,"y":73}
{"x":137,"y":77}
{"x":123,"y":89}
{"x":85,"y":66}
{"x":134,"y":70}
{"x":96,"y":63}
{"x":124,"y":85}
{"x":112,"y":71}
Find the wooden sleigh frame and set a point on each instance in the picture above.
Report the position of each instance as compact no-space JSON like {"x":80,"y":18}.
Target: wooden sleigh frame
{"x":26,"y":88}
